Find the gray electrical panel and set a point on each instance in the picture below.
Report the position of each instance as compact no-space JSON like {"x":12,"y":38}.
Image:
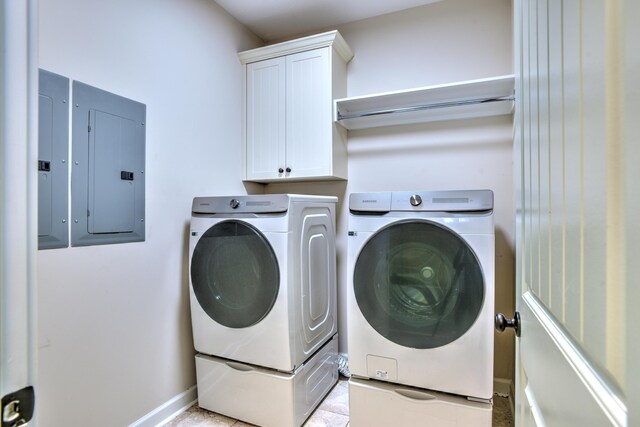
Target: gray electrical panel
{"x":107,"y":179}
{"x":53,"y":165}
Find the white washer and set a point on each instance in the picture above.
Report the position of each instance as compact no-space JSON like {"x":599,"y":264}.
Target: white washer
{"x":263,"y":277}
{"x":421,"y":289}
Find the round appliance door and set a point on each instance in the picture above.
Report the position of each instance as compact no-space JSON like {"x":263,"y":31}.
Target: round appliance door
{"x":235,"y":274}
{"x":418,"y":284}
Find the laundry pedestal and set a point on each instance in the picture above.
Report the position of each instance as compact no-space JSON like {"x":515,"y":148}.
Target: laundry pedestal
{"x":266,"y":397}
{"x":381,"y":404}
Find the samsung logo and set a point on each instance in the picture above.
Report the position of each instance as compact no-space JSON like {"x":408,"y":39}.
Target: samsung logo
{"x":369,"y":201}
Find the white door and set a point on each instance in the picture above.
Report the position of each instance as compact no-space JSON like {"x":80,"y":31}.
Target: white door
{"x":576,"y":155}
{"x":18,"y":199}
{"x":265,"y":119}
{"x":309,"y":118}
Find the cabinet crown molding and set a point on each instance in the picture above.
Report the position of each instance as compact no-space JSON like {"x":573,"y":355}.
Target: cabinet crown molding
{"x":330,"y":38}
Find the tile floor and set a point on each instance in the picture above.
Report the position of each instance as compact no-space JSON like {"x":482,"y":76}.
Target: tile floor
{"x":332,"y":412}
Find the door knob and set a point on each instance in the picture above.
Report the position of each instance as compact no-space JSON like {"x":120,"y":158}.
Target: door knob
{"x":503,"y":323}
{"x":280,"y":170}
{"x":288,"y":170}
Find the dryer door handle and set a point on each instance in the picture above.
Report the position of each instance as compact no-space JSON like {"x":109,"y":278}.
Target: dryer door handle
{"x":239,"y":366}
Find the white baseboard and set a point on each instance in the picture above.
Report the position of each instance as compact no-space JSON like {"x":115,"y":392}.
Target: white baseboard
{"x":502,"y":387}
{"x":168,"y":410}
{"x":180,"y":403}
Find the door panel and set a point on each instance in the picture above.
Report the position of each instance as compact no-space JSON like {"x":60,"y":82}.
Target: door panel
{"x":317,"y":278}
{"x":570,"y":272}
{"x":235,"y":274}
{"x":594,"y":180}
{"x":18,"y":206}
{"x":570,"y":85}
{"x":418,"y":284}
{"x":567,"y":390}
{"x":556,"y":162}
{"x":309,"y":113}
{"x":630,"y":30}
{"x":265,"y":124}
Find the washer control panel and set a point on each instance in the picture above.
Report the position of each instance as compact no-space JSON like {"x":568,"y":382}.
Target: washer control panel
{"x":422,"y":201}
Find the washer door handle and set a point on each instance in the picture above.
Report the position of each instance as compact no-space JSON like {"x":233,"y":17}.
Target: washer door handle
{"x":503,"y":323}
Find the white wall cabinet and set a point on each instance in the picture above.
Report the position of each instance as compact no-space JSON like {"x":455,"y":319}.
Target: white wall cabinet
{"x":288,"y":130}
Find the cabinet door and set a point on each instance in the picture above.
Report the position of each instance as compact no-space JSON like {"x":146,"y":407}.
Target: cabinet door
{"x":308,"y":123}
{"x":265,"y":124}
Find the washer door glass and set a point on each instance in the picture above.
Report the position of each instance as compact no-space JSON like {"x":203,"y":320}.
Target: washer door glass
{"x":234,"y":274}
{"x":418,"y":284}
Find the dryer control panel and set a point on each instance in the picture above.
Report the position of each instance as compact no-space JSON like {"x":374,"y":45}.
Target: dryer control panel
{"x":241,"y":204}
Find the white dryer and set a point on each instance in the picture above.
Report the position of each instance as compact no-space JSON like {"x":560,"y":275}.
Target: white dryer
{"x":263,"y":277}
{"x":421,"y":289}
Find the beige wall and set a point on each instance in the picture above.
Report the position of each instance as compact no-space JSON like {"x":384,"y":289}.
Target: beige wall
{"x":114,"y":327}
{"x":444,"y":42}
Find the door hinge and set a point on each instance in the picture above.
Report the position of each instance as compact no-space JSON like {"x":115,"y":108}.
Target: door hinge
{"x":17,"y":407}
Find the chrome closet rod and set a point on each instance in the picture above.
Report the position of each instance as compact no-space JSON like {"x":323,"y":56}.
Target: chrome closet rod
{"x":426,"y":107}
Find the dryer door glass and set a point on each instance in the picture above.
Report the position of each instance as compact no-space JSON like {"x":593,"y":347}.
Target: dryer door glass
{"x":234,"y":274}
{"x":418,"y":284}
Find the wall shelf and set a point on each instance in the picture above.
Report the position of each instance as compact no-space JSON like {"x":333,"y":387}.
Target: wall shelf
{"x":461,"y":100}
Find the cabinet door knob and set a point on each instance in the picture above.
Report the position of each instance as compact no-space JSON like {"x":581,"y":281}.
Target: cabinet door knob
{"x":288,"y":170}
{"x":280,"y":170}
